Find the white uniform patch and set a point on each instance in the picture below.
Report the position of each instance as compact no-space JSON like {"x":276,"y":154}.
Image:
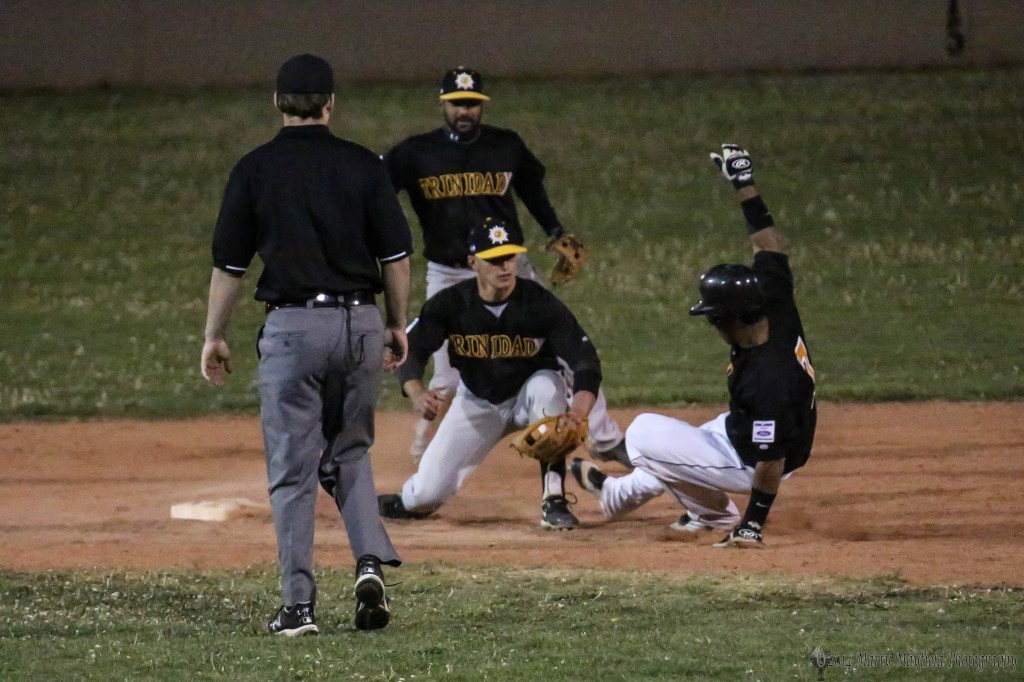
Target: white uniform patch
{"x":763,"y":432}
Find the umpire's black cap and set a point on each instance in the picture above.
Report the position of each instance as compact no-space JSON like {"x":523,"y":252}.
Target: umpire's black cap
{"x":463,"y":83}
{"x":305,"y":74}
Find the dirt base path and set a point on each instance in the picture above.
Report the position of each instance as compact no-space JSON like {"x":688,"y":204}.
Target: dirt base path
{"x":927,"y":491}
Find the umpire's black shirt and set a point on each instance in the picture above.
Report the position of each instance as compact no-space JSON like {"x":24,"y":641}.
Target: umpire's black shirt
{"x":772,"y":413}
{"x":320,"y":211}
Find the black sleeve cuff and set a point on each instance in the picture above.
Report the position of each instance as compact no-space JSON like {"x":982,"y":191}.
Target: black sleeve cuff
{"x":586,"y":381}
{"x":230,"y":270}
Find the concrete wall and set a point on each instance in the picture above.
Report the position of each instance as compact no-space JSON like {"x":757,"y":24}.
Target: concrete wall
{"x":66,"y":44}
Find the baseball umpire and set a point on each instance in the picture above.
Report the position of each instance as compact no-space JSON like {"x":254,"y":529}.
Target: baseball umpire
{"x":323,"y":217}
{"x":456,"y":177}
{"x":505,"y":335}
{"x":768,"y":431}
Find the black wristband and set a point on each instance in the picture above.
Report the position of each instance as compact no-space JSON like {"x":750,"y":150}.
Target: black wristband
{"x":757,"y":215}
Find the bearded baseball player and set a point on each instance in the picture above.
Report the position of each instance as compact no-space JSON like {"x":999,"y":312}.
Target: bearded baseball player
{"x":768,"y":431}
{"x":456,"y":177}
{"x":505,"y":336}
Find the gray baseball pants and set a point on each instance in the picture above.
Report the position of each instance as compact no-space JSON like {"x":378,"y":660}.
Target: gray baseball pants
{"x":319,"y":376}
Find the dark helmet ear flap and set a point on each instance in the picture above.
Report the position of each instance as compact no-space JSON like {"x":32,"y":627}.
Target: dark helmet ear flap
{"x":752,"y":316}
{"x":730,"y":290}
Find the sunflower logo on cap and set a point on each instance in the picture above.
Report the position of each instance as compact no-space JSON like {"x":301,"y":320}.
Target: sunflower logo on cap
{"x":463,"y":81}
{"x":494,"y":239}
{"x":497,"y":234}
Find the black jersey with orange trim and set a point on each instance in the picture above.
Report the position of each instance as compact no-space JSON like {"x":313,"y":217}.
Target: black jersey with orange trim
{"x":771,"y":387}
{"x":496,"y":347}
{"x":456,"y":185}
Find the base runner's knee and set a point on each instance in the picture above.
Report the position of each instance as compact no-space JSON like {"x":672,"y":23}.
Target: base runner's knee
{"x":639,"y":431}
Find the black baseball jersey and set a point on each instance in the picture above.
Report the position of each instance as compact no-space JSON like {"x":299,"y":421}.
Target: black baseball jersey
{"x":771,"y":386}
{"x":496,"y":347}
{"x":454,"y":186}
{"x":320,"y":212}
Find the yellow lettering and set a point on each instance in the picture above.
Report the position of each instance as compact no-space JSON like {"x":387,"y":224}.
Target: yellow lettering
{"x":458,"y":343}
{"x":430,"y":188}
{"x":521,"y":347}
{"x":477,"y":344}
{"x":452,"y":185}
{"x":525,"y":347}
{"x":471,"y":183}
{"x":501,"y":346}
{"x":482,"y":346}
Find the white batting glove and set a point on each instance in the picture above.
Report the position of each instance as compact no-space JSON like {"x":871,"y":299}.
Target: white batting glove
{"x":735,"y":164}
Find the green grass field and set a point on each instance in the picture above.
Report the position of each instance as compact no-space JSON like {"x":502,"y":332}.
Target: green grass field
{"x":899,"y":193}
{"x":476,"y":623}
{"x":901,"y":196}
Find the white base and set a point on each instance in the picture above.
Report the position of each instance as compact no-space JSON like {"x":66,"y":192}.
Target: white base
{"x":213,"y":510}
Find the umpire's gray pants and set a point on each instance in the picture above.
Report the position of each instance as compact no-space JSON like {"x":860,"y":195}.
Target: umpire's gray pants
{"x":319,"y":376}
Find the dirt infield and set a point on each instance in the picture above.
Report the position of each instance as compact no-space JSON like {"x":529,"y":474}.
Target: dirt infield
{"x":929,"y":492}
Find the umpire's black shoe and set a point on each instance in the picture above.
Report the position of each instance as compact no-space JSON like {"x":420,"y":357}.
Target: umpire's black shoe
{"x":372,"y":612}
{"x":556,"y":515}
{"x":292,"y":621}
{"x":391,"y":507}
{"x":588,"y":475}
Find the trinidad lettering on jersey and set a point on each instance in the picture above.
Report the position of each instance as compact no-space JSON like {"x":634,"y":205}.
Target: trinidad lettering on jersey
{"x":465,"y":184}
{"x":482,"y":346}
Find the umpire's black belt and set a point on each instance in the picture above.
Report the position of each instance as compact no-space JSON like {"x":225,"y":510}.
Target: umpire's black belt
{"x":351,"y":298}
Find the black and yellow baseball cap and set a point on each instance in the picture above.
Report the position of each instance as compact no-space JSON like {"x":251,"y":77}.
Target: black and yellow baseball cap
{"x":494,"y":239}
{"x":463,"y":83}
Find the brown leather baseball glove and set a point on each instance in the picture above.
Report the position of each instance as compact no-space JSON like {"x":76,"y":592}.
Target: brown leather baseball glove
{"x":545,"y":441}
{"x":572,"y":254}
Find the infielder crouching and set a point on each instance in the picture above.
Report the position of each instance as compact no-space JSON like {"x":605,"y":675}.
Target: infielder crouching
{"x":457,"y":176}
{"x":505,"y":336}
{"x":769,"y":428}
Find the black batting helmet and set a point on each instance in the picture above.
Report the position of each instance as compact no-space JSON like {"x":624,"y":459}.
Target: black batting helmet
{"x":729,"y":290}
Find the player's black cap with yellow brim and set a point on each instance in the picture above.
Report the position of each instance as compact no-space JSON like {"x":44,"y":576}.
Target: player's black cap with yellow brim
{"x":493,"y":240}
{"x":499,"y":251}
{"x":463,"y":83}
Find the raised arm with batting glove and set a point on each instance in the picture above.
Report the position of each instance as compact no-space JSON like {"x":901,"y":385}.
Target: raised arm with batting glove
{"x":736,"y":166}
